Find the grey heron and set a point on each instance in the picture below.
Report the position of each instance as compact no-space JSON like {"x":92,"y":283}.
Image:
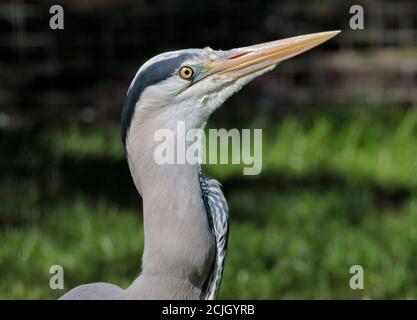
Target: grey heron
{"x":186,"y":218}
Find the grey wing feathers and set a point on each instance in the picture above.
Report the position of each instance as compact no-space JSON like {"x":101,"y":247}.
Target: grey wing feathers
{"x":218,"y":216}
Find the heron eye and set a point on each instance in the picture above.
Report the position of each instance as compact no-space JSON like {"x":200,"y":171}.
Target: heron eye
{"x":186,"y":72}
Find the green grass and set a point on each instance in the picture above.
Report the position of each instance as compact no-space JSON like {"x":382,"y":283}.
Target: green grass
{"x":335,"y":190}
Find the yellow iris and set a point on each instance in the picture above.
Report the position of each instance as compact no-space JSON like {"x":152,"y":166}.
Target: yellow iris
{"x":186,"y":72}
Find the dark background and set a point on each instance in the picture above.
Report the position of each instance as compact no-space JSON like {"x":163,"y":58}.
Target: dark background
{"x":340,"y":134}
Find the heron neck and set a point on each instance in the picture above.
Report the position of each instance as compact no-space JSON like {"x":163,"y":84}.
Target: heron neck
{"x":179,"y":245}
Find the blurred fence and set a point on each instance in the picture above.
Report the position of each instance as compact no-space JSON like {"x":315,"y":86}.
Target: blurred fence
{"x":82,"y":72}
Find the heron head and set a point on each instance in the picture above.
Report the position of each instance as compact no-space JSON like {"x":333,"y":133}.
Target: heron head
{"x":188,"y":85}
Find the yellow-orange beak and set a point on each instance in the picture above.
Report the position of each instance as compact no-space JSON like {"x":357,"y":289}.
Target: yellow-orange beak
{"x":252,"y":58}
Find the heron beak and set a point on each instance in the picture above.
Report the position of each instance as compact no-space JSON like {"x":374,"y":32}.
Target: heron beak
{"x":253,"y":58}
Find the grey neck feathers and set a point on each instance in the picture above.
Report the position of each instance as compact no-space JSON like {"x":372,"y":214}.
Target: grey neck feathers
{"x":179,"y":245}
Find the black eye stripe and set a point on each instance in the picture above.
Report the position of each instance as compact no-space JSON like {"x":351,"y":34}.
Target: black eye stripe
{"x":153,"y":74}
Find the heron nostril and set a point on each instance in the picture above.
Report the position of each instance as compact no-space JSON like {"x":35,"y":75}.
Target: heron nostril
{"x":237,"y":55}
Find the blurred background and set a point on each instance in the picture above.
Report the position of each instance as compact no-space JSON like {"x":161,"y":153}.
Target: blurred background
{"x":339,"y":178}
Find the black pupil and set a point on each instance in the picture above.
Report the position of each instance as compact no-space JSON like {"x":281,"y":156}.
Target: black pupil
{"x":187,"y":72}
